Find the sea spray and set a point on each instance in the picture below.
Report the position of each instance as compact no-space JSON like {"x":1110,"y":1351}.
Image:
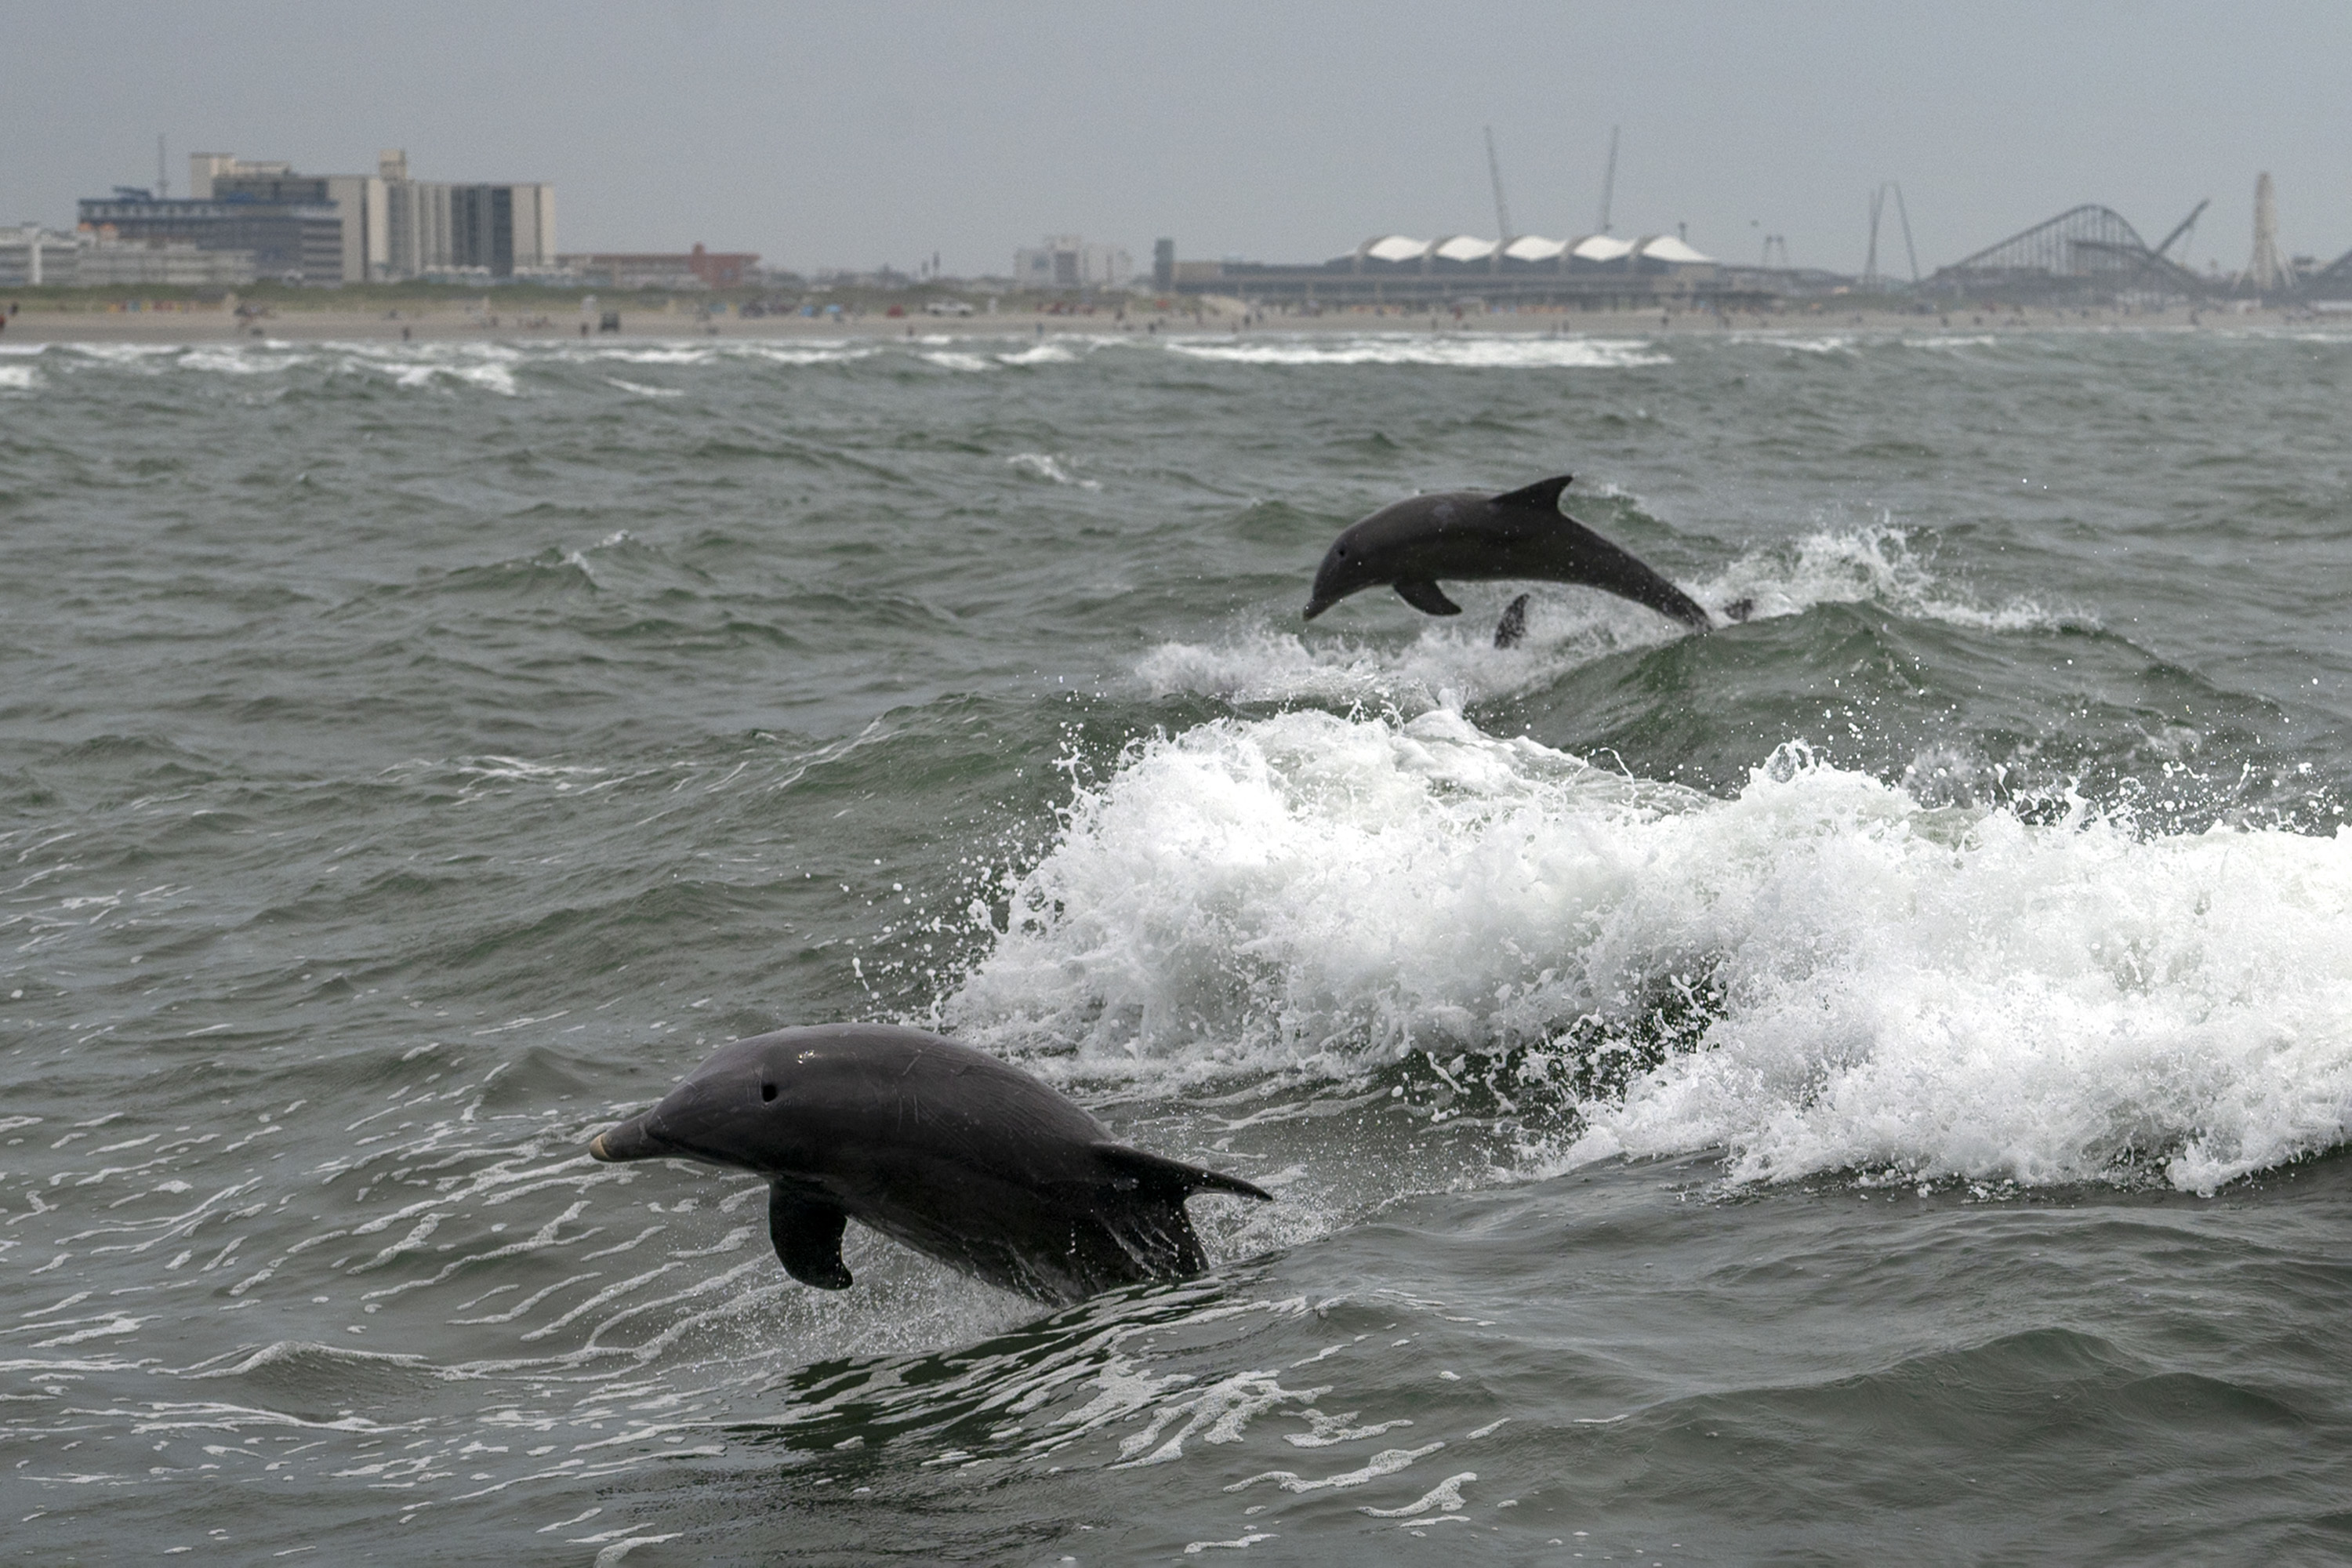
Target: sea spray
{"x":1953,"y":992}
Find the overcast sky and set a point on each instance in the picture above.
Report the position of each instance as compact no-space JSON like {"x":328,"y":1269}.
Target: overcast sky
{"x":853,"y":135}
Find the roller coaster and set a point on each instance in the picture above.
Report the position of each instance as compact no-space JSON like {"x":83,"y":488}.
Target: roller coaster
{"x":2092,"y":254}
{"x":2084,"y":253}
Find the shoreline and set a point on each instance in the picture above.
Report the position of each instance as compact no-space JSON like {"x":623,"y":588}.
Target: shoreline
{"x":183,"y":328}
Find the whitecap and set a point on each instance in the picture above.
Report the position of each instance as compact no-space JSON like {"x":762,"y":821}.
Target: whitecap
{"x":1474,"y":353}
{"x":233,"y":360}
{"x":1041,"y":354}
{"x":657,"y":355}
{"x":1883,"y":984}
{"x":1046,"y":466}
{"x":1872,"y":564}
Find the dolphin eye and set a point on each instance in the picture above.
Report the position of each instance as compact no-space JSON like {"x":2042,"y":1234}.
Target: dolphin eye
{"x":767,"y":1091}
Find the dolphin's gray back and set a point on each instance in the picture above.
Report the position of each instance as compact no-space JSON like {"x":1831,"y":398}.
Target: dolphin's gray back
{"x":967,"y":1158}
{"x":1470,"y":536}
{"x":1473,"y":538}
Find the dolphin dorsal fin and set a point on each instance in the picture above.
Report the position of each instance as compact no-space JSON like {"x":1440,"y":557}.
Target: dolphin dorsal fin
{"x":1512,"y":629}
{"x":1156,"y":1176}
{"x":1543,"y":495}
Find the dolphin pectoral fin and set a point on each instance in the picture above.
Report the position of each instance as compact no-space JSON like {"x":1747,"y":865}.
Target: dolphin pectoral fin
{"x":1543,"y":495}
{"x":1426,"y":597}
{"x":1513,"y":627}
{"x":806,"y":1232}
{"x":1156,"y":1176}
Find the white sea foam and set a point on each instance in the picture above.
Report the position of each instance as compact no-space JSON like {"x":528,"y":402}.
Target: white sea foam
{"x":949,"y":359}
{"x":657,"y":355}
{"x":1046,"y":466}
{"x":1796,"y":345}
{"x":1570,"y":626}
{"x":1847,"y":343}
{"x":1936,"y":992}
{"x":1872,"y":564}
{"x":1453,"y":658}
{"x":123,"y":353}
{"x":232,"y":360}
{"x":808,"y":353}
{"x":1041,"y":354}
{"x":495,"y":378}
{"x":19,"y":377}
{"x":644,"y":391}
{"x":1473,"y":353}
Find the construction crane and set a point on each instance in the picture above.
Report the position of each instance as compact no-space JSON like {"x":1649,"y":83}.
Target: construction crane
{"x":1502,"y":235}
{"x":1609,"y":182}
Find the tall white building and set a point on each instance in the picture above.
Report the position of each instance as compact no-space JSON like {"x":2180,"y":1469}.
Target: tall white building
{"x":2264,"y":271}
{"x":393,"y":226}
{"x":31,"y":256}
{"x":433,"y":225}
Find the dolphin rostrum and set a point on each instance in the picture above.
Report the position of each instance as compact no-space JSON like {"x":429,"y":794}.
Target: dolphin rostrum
{"x":1472,"y":537}
{"x":935,"y":1144}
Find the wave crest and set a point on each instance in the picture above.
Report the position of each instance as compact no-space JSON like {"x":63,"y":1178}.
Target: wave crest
{"x":1875,"y":983}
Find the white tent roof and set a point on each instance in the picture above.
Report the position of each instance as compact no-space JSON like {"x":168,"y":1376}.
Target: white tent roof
{"x":1396,"y":247}
{"x":1466,"y":248}
{"x":1601,"y":247}
{"x":1667,"y":247}
{"x":1534,"y":247}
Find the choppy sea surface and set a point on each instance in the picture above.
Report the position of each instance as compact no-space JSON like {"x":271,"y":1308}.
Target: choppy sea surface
{"x":1866,"y":1084}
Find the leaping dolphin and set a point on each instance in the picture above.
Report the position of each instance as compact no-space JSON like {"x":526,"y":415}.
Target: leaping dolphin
{"x":935,"y":1144}
{"x":1471,"y":537}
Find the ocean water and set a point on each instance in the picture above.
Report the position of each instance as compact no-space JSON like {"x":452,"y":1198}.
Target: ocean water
{"x":1866,"y":1084}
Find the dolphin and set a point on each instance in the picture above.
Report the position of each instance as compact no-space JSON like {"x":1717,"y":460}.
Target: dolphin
{"x":935,"y":1144}
{"x":1473,"y":536}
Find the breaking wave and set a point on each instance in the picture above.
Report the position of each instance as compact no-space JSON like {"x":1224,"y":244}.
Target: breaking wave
{"x":1567,"y":627}
{"x":1822,"y":973}
{"x":1471,"y":353}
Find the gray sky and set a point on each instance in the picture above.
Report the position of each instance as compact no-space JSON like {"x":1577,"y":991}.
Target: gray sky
{"x":855,"y":135}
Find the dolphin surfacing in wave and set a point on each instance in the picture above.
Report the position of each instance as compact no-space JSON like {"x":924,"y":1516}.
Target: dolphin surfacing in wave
{"x":1469,"y":536}
{"x":934,"y":1144}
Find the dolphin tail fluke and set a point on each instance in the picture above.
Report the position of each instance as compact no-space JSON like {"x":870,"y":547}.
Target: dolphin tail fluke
{"x":1618,"y":570}
{"x":806,"y":1232}
{"x":1154,"y":1176}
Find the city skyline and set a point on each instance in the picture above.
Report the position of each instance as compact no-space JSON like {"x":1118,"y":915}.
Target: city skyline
{"x":852,"y":142}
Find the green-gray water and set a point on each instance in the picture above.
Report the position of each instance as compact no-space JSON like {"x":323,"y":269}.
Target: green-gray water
{"x":1866,"y":1084}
